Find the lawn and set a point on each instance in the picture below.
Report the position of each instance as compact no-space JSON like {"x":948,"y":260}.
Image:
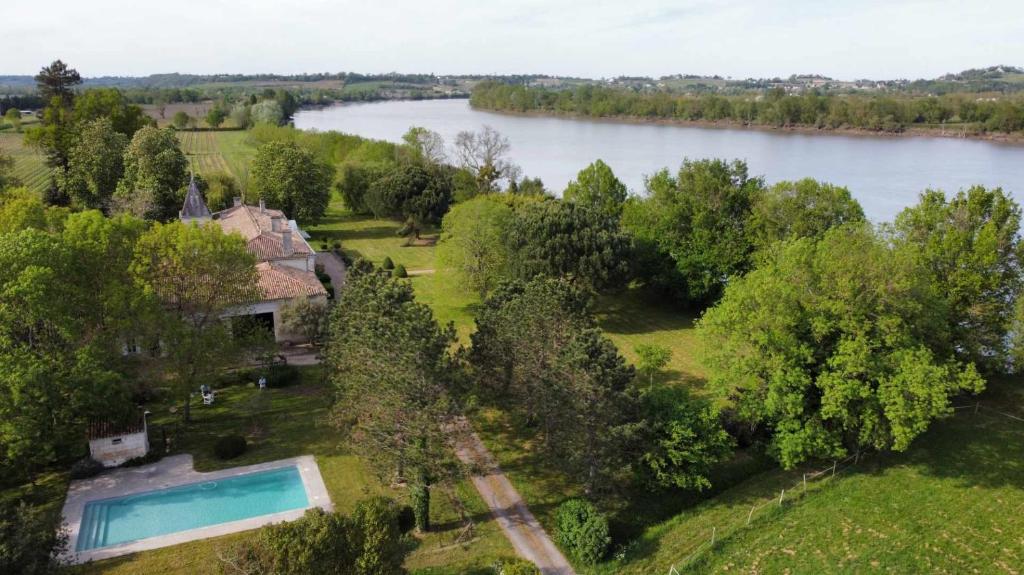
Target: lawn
{"x":292,"y":421}
{"x":29,"y":165}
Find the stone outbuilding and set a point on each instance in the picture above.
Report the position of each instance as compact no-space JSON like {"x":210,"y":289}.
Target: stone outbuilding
{"x":113,"y":443}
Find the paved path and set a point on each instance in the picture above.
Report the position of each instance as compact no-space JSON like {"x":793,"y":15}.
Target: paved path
{"x":334,"y":267}
{"x":521,"y":528}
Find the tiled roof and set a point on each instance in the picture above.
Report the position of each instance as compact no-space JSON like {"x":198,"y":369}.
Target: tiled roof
{"x":106,"y":428}
{"x":256,"y":228}
{"x":279,"y":281}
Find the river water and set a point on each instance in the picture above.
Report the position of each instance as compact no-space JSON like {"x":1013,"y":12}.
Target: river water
{"x":884,"y":173}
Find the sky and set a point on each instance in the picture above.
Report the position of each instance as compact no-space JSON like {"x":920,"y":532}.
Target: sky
{"x":844,"y":39}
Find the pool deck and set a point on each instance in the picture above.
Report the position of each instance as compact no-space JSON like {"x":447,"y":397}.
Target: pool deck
{"x":170,"y":472}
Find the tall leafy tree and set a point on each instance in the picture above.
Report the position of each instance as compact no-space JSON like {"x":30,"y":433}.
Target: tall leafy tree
{"x":693,"y":227}
{"x":596,"y":186}
{"x":196,"y":275}
{"x":802,"y":209}
{"x":537,"y":352}
{"x":564,"y":239}
{"x":57,"y":80}
{"x":971,"y":247}
{"x":473,"y":242}
{"x":155,"y":174}
{"x":55,"y":132}
{"x":125,"y":118}
{"x":388,"y":360}
{"x":419,"y":195}
{"x":292,"y":179}
{"x":835,"y":345}
{"x":97,"y":165}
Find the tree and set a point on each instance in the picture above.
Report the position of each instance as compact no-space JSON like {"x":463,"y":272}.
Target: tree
{"x":181,"y":119}
{"x":583,"y":530}
{"x":7,"y":179}
{"x":388,"y":359}
{"x":597,"y":187}
{"x":652,"y":359}
{"x":411,"y":192}
{"x":59,"y":340}
{"x":292,"y":179}
{"x":354,"y":184}
{"x":97,"y":164}
{"x":196,"y":275}
{"x":369,"y":542}
{"x":483,"y":153}
{"x":240,"y":116}
{"x":537,"y":352}
{"x":305,"y":317}
{"x":803,"y":209}
{"x":13,"y":117}
{"x":563,"y":239}
{"x":57,"y":81}
{"x":54,"y":134}
{"x":155,"y":170}
{"x":427,"y":145}
{"x":682,"y":439}
{"x":693,"y":227}
{"x":972,"y":251}
{"x":267,"y":112}
{"x":110,"y":103}
{"x":215,"y":117}
{"x":472,"y":242}
{"x":834,"y":345}
{"x":29,"y":545}
{"x":219,"y":189}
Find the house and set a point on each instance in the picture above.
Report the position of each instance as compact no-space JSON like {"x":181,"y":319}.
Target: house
{"x":113,"y":443}
{"x":285,"y":261}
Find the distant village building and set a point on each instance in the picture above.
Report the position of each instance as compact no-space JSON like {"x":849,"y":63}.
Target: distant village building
{"x":286,"y":261}
{"x":113,"y":443}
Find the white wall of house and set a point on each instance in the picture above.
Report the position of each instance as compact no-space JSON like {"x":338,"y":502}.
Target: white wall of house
{"x":113,"y":451}
{"x":274,"y":307}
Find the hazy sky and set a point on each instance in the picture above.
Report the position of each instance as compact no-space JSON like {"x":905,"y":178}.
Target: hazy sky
{"x":841,"y":38}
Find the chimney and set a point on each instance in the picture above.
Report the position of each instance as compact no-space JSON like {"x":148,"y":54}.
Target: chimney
{"x":286,"y":241}
{"x":275,"y":224}
{"x":237,"y":201}
{"x":263,"y":207}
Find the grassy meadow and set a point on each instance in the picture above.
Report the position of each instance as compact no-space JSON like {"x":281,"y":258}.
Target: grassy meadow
{"x":29,"y":165}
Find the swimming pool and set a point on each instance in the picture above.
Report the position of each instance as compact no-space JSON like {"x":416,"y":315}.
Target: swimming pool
{"x":112,"y":521}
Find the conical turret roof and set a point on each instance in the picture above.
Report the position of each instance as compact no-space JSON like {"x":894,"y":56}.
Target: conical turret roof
{"x":195,"y":206}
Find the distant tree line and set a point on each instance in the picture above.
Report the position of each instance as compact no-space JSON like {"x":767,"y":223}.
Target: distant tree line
{"x":876,"y":112}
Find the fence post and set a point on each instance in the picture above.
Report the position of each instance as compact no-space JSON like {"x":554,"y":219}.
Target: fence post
{"x":856,"y":457}
{"x":713,"y":529}
{"x":751,"y":514}
{"x":976,"y":407}
{"x":805,"y":482}
{"x":834,"y":468}
{"x":780,"y":496}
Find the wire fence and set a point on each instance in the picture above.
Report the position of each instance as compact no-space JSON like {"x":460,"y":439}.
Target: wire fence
{"x":809,"y":480}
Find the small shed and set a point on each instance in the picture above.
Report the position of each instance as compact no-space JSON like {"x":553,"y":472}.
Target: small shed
{"x":112,"y":443}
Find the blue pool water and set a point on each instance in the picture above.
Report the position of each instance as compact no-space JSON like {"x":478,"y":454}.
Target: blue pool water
{"x":122,"y":519}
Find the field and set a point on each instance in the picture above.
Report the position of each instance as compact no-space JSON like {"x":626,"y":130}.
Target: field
{"x":293,"y":421}
{"x":225,"y":151}
{"x":29,"y":165}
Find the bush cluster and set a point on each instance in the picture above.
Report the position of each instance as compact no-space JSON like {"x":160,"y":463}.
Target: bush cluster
{"x":230,"y":447}
{"x":85,"y":468}
{"x":582,"y":531}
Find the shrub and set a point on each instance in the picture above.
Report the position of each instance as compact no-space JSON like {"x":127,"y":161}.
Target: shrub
{"x":336,"y":245}
{"x":400,"y":271}
{"x":330,"y":290}
{"x":229,"y":447}
{"x":85,"y":468}
{"x":582,"y":530}
{"x":387,"y":264}
{"x":323,"y":247}
{"x":29,"y":543}
{"x":406,"y":519}
{"x":514,"y":566}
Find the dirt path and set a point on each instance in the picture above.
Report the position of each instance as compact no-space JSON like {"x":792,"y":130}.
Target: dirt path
{"x":521,"y":528}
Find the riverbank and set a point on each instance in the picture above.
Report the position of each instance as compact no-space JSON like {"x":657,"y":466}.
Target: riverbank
{"x":953,"y":132}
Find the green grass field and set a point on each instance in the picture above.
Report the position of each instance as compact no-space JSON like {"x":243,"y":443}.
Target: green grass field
{"x":29,"y":165}
{"x":293,"y":421}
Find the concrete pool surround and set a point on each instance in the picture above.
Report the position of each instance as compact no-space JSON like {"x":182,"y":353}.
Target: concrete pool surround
{"x":176,"y":471}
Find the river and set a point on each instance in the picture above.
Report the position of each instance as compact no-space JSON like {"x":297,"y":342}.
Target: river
{"x":884,"y":173}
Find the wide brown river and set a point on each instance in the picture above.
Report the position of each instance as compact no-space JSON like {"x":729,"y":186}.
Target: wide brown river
{"x":884,"y":173}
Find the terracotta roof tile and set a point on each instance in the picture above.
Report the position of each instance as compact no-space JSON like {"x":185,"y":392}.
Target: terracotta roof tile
{"x":279,"y":281}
